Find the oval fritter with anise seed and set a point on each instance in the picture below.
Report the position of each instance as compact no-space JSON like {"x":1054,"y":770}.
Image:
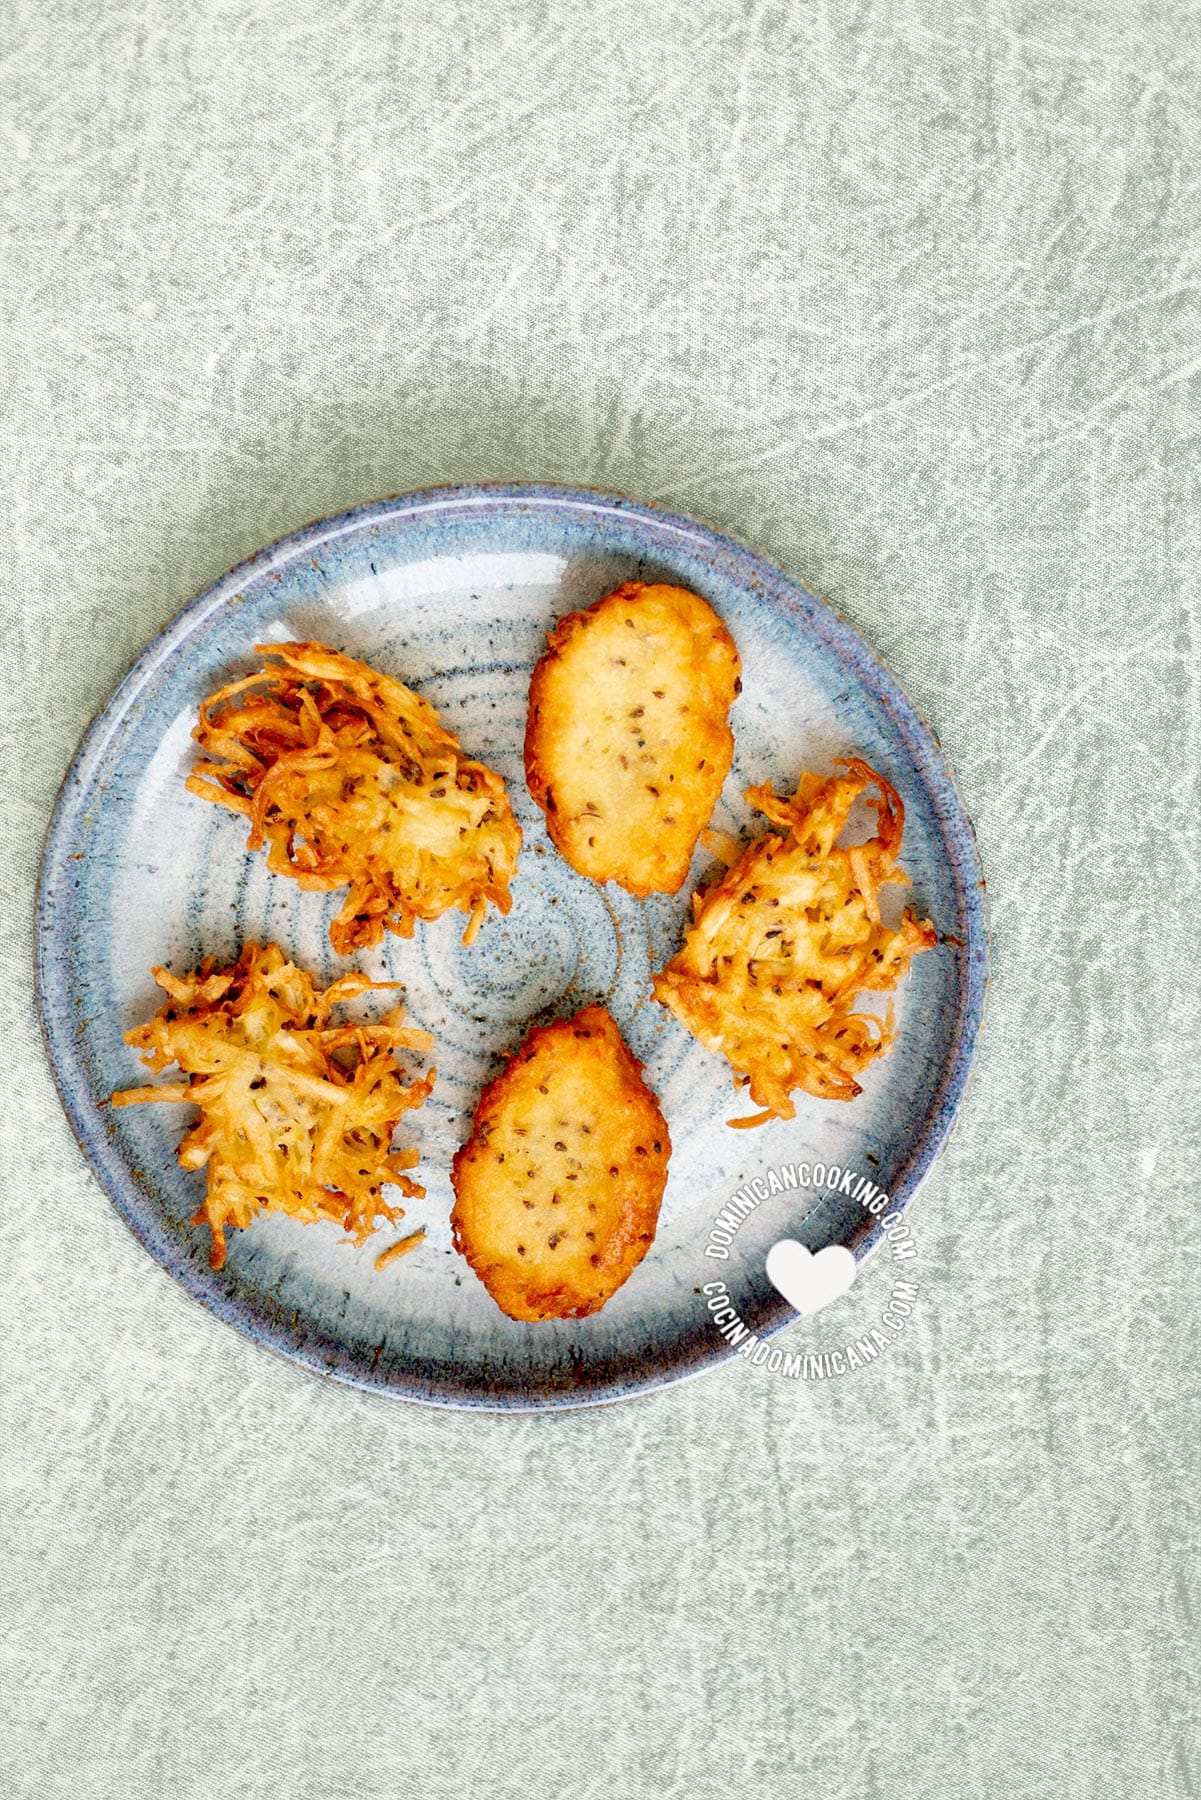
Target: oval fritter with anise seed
{"x":558,"y":1187}
{"x":627,"y":741}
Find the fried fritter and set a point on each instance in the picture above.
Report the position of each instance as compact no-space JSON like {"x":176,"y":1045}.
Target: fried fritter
{"x":782,"y":947}
{"x":351,"y":781}
{"x":627,"y":741}
{"x":296,"y":1114}
{"x":558,"y":1187}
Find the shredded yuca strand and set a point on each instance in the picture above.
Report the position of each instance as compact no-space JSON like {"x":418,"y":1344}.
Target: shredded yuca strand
{"x":296,"y":1114}
{"x":350,"y":780}
{"x":400,"y":1248}
{"x":783,"y":946}
{"x":721,"y":845}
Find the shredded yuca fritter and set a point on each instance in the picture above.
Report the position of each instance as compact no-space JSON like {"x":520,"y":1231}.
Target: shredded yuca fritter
{"x":782,"y":947}
{"x":351,"y":781}
{"x":296,"y":1114}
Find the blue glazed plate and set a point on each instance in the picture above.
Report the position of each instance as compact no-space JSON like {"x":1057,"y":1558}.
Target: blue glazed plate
{"x":453,"y":590}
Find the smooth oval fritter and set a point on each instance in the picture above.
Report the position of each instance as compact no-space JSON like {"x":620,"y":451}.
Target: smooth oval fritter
{"x":558,"y":1187}
{"x":627,"y":740}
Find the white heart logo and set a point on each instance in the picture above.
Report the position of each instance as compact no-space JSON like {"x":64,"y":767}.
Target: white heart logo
{"x":806,"y":1281}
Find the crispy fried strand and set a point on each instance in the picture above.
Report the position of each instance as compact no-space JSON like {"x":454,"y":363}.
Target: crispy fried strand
{"x":350,"y":780}
{"x":400,"y":1248}
{"x":782,"y":947}
{"x":296,"y":1114}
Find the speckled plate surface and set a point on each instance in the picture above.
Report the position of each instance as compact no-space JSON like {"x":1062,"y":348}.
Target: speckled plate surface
{"x":453,"y":590}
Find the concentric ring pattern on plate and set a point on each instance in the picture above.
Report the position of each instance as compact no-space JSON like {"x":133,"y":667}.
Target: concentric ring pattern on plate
{"x":453,"y":590}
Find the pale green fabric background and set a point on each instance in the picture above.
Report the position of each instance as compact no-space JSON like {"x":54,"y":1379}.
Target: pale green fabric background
{"x":908,"y":295}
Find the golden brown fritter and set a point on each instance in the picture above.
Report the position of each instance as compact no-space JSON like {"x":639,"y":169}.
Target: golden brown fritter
{"x":296,"y":1114}
{"x":782,"y":947}
{"x":351,"y":781}
{"x":558,"y":1187}
{"x":627,"y":741}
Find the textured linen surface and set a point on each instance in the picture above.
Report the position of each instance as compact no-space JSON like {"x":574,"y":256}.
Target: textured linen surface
{"x":909,"y":296}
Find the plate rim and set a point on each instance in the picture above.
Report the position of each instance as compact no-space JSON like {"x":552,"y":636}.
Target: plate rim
{"x":335,"y":1362}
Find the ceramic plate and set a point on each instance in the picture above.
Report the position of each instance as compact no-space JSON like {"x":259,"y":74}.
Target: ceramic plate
{"x":454,"y":590}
